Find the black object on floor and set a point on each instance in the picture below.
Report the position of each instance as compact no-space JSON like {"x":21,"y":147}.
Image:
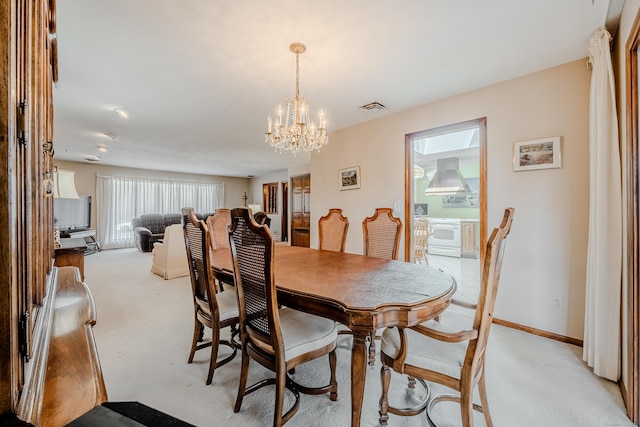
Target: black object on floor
{"x":11,"y":420}
{"x":128,"y":414}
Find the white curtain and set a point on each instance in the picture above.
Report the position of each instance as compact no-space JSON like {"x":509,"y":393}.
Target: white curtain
{"x":604,"y":259}
{"x":120,"y":199}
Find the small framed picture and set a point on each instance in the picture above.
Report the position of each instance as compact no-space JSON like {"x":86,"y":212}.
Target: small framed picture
{"x":349,"y":178}
{"x":537,"y":154}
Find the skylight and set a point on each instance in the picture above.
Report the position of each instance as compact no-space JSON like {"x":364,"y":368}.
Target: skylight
{"x":447,"y":142}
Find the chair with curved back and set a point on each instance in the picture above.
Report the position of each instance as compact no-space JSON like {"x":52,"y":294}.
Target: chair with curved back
{"x":332,"y":231}
{"x":212,"y":309}
{"x":217,"y":224}
{"x":277,"y":338}
{"x":381,"y":234}
{"x":455,"y":359}
{"x":422,"y":230}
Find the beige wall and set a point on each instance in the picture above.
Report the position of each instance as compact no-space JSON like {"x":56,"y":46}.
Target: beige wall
{"x":234,"y":188}
{"x":546,"y":250}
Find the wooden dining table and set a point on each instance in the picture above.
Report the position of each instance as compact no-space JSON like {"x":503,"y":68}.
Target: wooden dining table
{"x":363,"y":293}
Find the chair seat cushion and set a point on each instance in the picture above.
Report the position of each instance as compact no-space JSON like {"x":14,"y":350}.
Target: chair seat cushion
{"x":304,"y":332}
{"x":227,"y":303}
{"x":425,"y":352}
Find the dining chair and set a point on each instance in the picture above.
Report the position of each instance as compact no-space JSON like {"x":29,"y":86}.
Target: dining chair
{"x":212,"y":309}
{"x":332,"y":231}
{"x":217,"y":224}
{"x":278,"y":338}
{"x":455,"y":359}
{"x":381,"y":233}
{"x":422,"y":230}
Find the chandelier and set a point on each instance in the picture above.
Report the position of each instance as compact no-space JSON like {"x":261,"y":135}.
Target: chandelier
{"x":294,"y":131}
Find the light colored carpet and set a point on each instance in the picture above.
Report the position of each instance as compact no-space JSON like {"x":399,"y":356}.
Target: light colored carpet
{"x":143,"y":333}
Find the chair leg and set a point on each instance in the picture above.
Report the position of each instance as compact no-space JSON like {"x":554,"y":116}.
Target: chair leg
{"x":482,"y":389}
{"x":197,"y":333}
{"x":385,"y":380}
{"x":411,"y":382}
{"x":281,"y":380}
{"x":215,"y":345}
{"x":242,"y":384}
{"x":333,"y":394}
{"x":466,"y":404}
{"x":372,"y":348}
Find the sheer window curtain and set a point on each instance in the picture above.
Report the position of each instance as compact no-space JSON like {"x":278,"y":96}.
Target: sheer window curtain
{"x":120,"y":199}
{"x":601,"y":348}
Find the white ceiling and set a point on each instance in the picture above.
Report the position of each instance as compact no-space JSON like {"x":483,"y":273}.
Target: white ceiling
{"x":200,"y":76}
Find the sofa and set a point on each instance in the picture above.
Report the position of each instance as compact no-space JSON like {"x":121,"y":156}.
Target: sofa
{"x":149,"y":228}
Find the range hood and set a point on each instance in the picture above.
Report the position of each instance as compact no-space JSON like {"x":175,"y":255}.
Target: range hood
{"x":447,"y":179}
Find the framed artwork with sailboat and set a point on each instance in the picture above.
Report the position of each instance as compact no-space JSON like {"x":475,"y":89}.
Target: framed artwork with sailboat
{"x":537,"y":154}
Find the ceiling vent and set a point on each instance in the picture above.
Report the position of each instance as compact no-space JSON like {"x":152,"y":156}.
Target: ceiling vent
{"x":92,"y":159}
{"x":373,"y":106}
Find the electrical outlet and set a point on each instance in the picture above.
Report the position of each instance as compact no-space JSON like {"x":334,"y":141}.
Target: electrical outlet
{"x":557,"y":303}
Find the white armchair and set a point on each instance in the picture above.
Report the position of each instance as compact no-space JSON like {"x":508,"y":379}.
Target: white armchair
{"x":170,"y":256}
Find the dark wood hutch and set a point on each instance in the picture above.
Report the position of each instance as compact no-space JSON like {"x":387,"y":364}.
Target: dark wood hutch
{"x":28,"y":58}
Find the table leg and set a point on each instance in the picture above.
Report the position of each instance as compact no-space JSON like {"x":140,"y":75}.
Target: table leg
{"x":358,"y":375}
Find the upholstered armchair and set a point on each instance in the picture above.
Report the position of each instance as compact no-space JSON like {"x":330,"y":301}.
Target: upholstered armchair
{"x":170,"y":256}
{"x":262,"y":218}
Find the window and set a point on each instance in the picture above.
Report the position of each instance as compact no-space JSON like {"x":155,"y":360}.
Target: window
{"x":270,"y":197}
{"x":120,"y":199}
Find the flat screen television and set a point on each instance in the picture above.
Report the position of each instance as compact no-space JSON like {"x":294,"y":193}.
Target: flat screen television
{"x":72,"y":214}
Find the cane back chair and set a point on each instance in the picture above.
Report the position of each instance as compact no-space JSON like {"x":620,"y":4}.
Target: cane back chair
{"x":212,"y":309}
{"x":277,"y":338}
{"x":217,"y":224}
{"x":332,"y":231}
{"x":454,"y":359}
{"x":381,"y":234}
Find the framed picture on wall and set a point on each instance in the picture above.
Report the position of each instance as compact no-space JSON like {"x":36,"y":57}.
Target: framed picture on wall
{"x":349,"y":178}
{"x":537,"y":154}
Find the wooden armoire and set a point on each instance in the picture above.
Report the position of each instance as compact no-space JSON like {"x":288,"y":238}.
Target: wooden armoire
{"x":28,"y":63}
{"x":300,"y":210}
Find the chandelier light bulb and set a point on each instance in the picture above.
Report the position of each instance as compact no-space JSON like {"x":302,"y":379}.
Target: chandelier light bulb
{"x":298,"y":132}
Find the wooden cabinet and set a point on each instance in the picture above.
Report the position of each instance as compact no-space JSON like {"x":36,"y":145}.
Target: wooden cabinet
{"x":71,"y":253}
{"x":469,"y":236}
{"x":300,"y":210}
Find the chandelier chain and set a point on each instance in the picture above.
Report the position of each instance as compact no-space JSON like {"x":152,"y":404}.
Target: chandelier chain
{"x":297,"y":87}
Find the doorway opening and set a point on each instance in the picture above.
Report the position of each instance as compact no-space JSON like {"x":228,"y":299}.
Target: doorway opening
{"x":445,"y":187}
